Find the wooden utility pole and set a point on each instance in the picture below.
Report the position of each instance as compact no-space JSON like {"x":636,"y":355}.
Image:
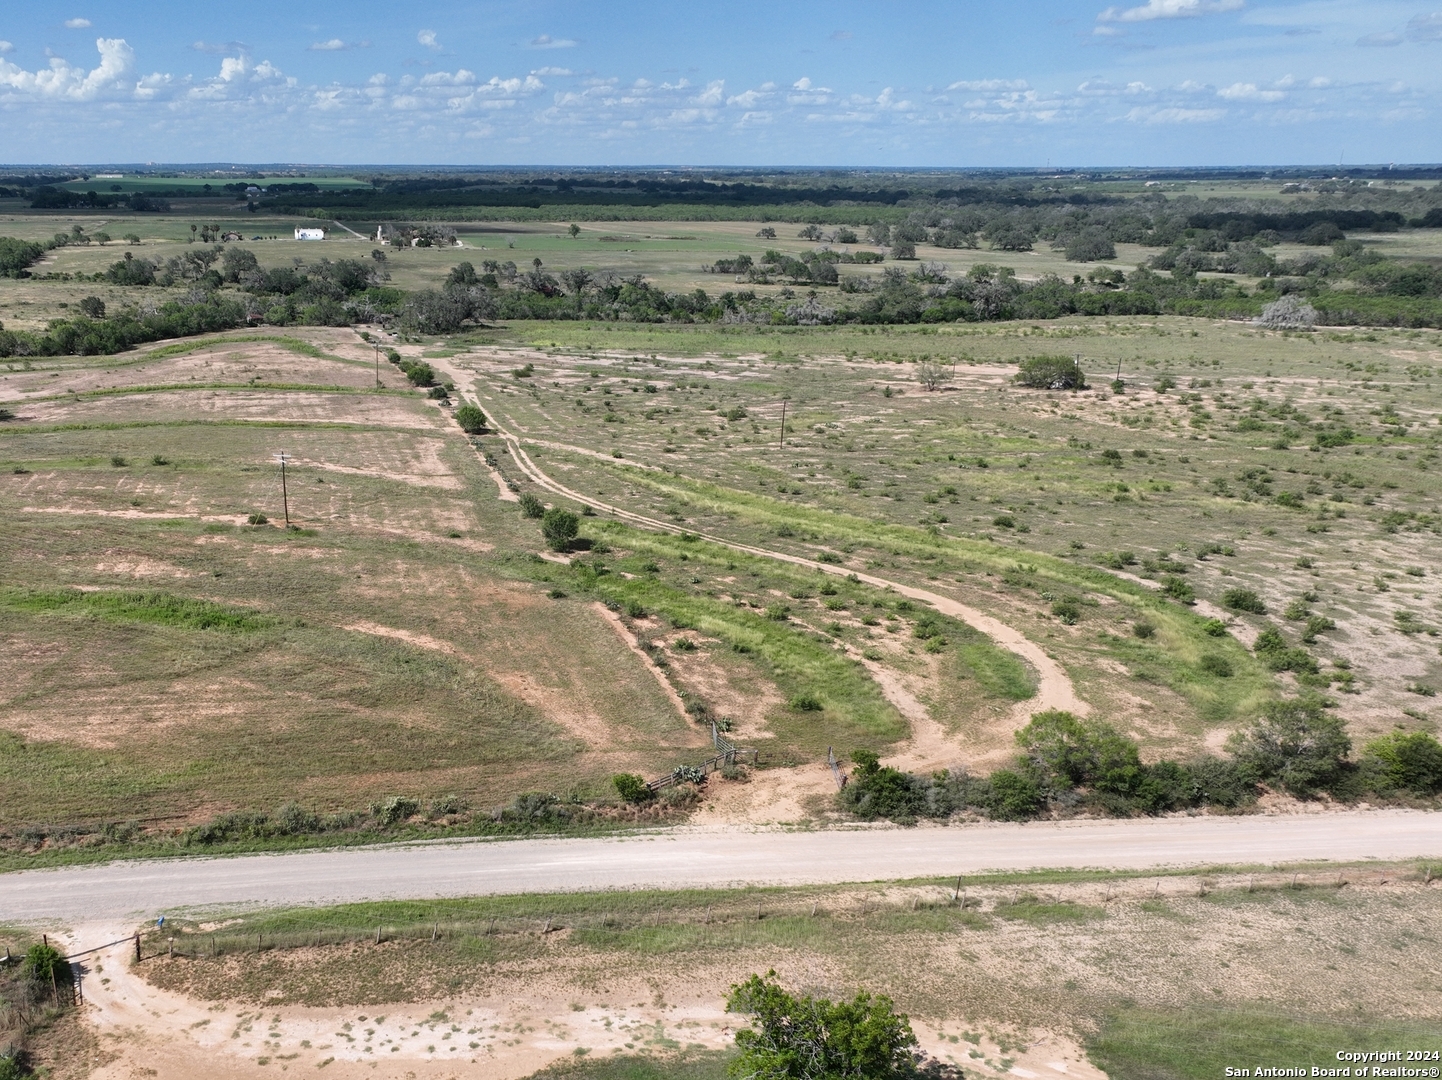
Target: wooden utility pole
{"x":378,"y":365}
{"x":783,"y":423}
{"x":284,"y":494}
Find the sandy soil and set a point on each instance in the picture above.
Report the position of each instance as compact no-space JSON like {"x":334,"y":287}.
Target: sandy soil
{"x":146,"y":1031}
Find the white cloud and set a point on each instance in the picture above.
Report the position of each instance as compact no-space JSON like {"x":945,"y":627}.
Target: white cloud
{"x":1150,"y":115}
{"x":713,"y":95}
{"x":1248,"y":92}
{"x":1426,"y":27}
{"x":1105,"y":31}
{"x":333,"y":45}
{"x":428,"y":39}
{"x":841,"y":35}
{"x":77,"y":24}
{"x":553,"y":71}
{"x":1386,"y":39}
{"x":749,"y":99}
{"x":802,"y":83}
{"x":462,"y":77}
{"x":1168,"y":9}
{"x":64,"y":81}
{"x":1320,"y":82}
{"x":546,"y":41}
{"x":6,"y":47}
{"x":986,"y":85}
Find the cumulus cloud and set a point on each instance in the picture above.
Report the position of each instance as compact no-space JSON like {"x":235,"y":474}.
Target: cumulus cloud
{"x":751,"y":98}
{"x":1426,"y":27}
{"x":713,"y":95}
{"x":6,"y":47}
{"x":77,"y":24}
{"x":1168,"y":9}
{"x":428,"y":39}
{"x":64,"y":81}
{"x":546,"y":41}
{"x":1248,"y":92}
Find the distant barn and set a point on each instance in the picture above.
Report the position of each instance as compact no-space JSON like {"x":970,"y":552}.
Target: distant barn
{"x":310,"y":234}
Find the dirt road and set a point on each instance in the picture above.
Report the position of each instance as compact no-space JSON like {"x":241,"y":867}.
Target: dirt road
{"x":699,"y":857}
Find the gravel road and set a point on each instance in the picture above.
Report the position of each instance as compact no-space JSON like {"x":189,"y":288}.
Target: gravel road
{"x":704,"y":857}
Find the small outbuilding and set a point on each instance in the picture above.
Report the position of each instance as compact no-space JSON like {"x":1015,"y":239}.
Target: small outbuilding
{"x":310,"y":234}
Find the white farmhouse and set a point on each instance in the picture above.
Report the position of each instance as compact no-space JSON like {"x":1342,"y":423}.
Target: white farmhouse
{"x":310,"y":234}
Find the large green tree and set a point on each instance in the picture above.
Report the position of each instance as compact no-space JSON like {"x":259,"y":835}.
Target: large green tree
{"x":804,"y":1038}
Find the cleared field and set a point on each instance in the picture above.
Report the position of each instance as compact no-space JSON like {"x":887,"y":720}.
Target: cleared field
{"x":394,"y":650}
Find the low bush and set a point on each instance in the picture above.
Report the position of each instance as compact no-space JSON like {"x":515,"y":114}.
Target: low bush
{"x":531,"y":506}
{"x":1410,"y":760}
{"x":560,"y":528}
{"x":471,"y":419}
{"x":1243,"y":600}
{"x":632,"y":788}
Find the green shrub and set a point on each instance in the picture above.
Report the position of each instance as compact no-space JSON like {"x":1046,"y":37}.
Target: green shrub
{"x":805,"y":1037}
{"x":1243,"y":600}
{"x":1051,"y":373}
{"x":418,"y":372}
{"x":804,"y":702}
{"x":1213,"y":664}
{"x":1296,"y":743}
{"x":1272,"y":649}
{"x":1412,"y":760}
{"x":1068,"y":610}
{"x":257,"y":519}
{"x":12,"y":1067}
{"x":1013,"y":797}
{"x":1214,"y":628}
{"x":45,"y":964}
{"x":1143,"y":629}
{"x":1178,"y":589}
{"x":471,"y":419}
{"x":632,"y":788}
{"x":395,"y":809}
{"x":560,"y":527}
{"x":531,"y":506}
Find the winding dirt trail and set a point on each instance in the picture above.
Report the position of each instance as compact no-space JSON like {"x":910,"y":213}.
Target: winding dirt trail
{"x":930,"y":746}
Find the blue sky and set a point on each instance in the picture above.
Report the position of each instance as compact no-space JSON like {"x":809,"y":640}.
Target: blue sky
{"x":792,"y":82}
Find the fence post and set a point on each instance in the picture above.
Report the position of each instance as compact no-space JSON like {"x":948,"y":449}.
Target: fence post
{"x":137,"y":948}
